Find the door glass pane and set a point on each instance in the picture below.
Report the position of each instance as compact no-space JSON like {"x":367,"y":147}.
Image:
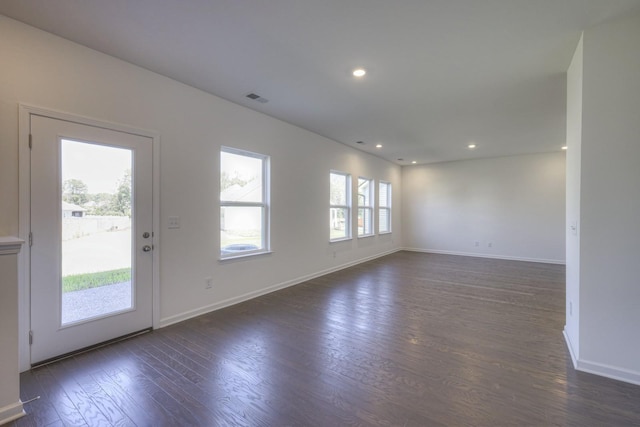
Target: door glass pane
{"x":96,"y":230}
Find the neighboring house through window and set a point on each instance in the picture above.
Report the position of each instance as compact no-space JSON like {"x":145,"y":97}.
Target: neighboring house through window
{"x":339,"y":206}
{"x":244,"y":203}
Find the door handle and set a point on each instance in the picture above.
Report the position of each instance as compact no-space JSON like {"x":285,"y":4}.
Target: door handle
{"x":147,"y":248}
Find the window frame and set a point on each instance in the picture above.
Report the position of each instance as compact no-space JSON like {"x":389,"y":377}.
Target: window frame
{"x":348,"y":219}
{"x":388,"y":207}
{"x":368,"y":207}
{"x":264,"y":205}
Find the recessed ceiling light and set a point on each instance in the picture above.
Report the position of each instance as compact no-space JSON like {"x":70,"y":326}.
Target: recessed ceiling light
{"x":564,"y":147}
{"x":471,"y":146}
{"x":359,"y":72}
{"x":378,"y":145}
{"x":413,"y":162}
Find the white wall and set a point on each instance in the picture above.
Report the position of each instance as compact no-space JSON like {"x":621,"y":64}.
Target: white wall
{"x":10,"y":404}
{"x":515,"y":203}
{"x":574,"y":142}
{"x":610,"y":201}
{"x":45,"y":71}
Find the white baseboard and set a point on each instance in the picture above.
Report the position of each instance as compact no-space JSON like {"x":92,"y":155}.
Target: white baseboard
{"x":11,"y":412}
{"x":250,"y":295}
{"x":600,"y":369}
{"x":493,"y":256}
{"x":608,"y":371}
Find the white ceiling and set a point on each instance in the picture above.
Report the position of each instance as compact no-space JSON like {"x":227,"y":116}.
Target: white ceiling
{"x":441,"y":73}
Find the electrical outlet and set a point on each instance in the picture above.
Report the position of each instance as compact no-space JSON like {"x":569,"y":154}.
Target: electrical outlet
{"x":477,"y":244}
{"x":208,"y":283}
{"x":173,"y":222}
{"x":570,"y":308}
{"x":490,"y":244}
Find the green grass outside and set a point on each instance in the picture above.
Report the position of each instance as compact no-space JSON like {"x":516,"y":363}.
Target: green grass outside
{"x":78,"y":282}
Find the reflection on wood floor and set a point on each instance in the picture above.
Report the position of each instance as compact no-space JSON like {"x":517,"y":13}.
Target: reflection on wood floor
{"x":409,"y":339}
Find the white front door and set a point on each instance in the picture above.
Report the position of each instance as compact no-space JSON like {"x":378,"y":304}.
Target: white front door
{"x":91,"y":224}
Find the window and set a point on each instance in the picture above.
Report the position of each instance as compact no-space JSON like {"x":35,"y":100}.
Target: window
{"x":384,"y":207}
{"x":244,"y":203}
{"x":339,"y":206}
{"x":365,"y":207}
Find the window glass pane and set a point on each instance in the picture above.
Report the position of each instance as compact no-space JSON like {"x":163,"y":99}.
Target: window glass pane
{"x":338,"y":218}
{"x":384,"y":221}
{"x":364,"y":192}
{"x":365,"y":206}
{"x":240,"y":178}
{"x":240,"y":229}
{"x":365,"y":223}
{"x":384,"y":211}
{"x":338,"y":189}
{"x":384,"y":194}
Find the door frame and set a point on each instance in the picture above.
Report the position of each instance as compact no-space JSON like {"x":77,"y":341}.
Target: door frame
{"x":24,"y":214}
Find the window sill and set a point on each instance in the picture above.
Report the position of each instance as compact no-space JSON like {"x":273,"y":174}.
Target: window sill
{"x":244,"y":256}
{"x":344,"y":239}
{"x":382,"y":233}
{"x":364,"y":236}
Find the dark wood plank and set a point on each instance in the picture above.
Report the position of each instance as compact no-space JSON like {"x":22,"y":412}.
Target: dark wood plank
{"x":55,"y":394}
{"x":41,"y":411}
{"x":409,"y":339}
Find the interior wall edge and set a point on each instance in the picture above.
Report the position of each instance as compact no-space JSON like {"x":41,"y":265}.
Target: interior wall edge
{"x":570,"y":346}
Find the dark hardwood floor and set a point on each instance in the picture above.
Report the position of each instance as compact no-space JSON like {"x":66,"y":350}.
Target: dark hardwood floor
{"x":406,"y":340}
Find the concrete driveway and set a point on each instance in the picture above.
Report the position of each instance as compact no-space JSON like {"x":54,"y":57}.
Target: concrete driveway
{"x":103,"y":251}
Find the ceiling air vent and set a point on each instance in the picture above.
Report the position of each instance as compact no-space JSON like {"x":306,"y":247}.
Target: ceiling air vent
{"x":257,"y":97}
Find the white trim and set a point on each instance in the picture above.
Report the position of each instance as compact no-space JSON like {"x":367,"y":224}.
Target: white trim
{"x":342,"y":239}
{"x":24,"y":226}
{"x":24,"y":217}
{"x":492,"y":256}
{"x":601,"y":369}
{"x":572,"y":352}
{"x":608,"y":371}
{"x":250,"y":295}
{"x":156,"y":232}
{"x":11,"y":412}
{"x":243,"y":255}
{"x":10,"y":245}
